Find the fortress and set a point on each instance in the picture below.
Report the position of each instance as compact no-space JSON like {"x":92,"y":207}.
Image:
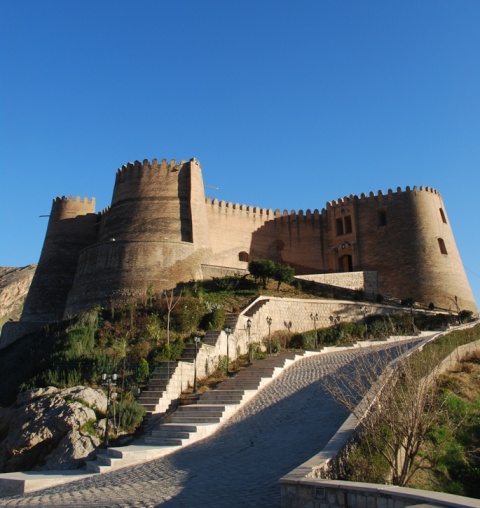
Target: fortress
{"x":161,"y":230}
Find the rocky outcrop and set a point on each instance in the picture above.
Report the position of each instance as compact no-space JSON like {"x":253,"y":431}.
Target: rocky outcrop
{"x":50,"y":428}
{"x":14,"y":285}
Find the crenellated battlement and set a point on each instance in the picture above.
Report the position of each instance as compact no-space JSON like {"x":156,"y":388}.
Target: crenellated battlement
{"x":380,"y":196}
{"x":70,"y":199}
{"x":264,"y":213}
{"x":137,"y":169}
{"x":67,"y":207}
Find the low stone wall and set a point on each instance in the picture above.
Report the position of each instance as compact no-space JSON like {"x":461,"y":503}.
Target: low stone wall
{"x":339,"y":494}
{"x":358,"y":281}
{"x":297,"y":315}
{"x":304,"y":487}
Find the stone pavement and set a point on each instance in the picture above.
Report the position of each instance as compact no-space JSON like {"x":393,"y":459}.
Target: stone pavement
{"x":286,"y":423}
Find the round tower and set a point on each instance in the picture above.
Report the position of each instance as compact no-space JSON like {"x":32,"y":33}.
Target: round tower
{"x":154,"y":233}
{"x":407,"y":238}
{"x":71,"y":227}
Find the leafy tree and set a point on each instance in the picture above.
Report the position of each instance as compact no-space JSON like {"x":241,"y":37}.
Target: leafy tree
{"x":283,"y":273}
{"x":263,"y":269}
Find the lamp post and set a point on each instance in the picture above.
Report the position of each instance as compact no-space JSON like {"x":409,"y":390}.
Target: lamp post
{"x":364,"y":310}
{"x":269,"y":323}
{"x":228,"y":331}
{"x":314,"y":317}
{"x":108,"y":380}
{"x":197,"y":340}
{"x":249,"y":326}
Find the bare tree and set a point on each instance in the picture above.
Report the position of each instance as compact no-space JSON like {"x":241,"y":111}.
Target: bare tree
{"x":171,"y":303}
{"x":395,"y":402}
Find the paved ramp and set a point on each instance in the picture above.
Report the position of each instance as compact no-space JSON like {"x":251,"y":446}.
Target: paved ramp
{"x":286,"y":423}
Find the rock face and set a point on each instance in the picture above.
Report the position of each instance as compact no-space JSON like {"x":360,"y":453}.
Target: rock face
{"x":14,"y":285}
{"x":46,"y":429}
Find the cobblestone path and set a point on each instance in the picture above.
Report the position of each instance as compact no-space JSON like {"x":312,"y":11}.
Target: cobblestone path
{"x":283,"y":426}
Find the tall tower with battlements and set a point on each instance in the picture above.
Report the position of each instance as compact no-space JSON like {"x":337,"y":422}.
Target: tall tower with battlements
{"x":155,"y":233}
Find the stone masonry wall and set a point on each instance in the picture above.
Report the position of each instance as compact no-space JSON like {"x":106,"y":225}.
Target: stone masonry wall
{"x":338,"y":494}
{"x":295,"y":314}
{"x":363,"y":281}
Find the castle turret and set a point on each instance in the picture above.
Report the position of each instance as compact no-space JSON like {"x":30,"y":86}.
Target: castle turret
{"x":155,"y":233}
{"x":71,"y":227}
{"x":407,"y":238}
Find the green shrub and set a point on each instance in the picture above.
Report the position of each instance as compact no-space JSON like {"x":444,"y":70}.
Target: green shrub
{"x":304,"y":340}
{"x":90,"y":427}
{"x":256,"y":350}
{"x":130,"y":414}
{"x":213,"y":320}
{"x":170,"y":352}
{"x":187,"y":315}
{"x":143,"y":371}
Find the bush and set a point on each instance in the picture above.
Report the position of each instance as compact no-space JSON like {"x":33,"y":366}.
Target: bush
{"x":256,"y":350}
{"x":187,"y":315}
{"x":465,"y":315}
{"x":213,"y":320}
{"x":130,"y":414}
{"x":304,"y":340}
{"x":143,"y":371}
{"x":170,"y":352}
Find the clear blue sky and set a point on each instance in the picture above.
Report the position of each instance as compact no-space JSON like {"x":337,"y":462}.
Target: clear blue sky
{"x":287,"y":104}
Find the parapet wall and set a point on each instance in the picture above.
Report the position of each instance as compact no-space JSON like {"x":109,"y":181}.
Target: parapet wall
{"x":357,"y":281}
{"x":293,"y":238}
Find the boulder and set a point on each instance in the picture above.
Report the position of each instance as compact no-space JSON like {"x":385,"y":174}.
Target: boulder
{"x":51,"y":428}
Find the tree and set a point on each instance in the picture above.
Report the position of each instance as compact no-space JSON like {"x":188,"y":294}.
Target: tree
{"x":399,"y":406}
{"x":283,"y":273}
{"x":263,"y":269}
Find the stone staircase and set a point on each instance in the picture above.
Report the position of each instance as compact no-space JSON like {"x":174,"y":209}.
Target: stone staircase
{"x":166,"y":384}
{"x":193,"y":422}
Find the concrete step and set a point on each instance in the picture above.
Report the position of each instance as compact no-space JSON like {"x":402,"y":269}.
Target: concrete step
{"x":94,"y":467}
{"x":200,"y":408}
{"x":224,"y":400}
{"x":195,"y":419}
{"x":165,"y":441}
{"x":160,"y":433}
{"x":151,"y":393}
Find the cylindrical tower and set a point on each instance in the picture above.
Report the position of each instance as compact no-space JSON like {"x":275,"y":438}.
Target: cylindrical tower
{"x":71,"y":228}
{"x":154,"y":233}
{"x":407,"y":238}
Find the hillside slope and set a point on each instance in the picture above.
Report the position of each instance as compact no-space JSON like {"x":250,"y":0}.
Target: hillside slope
{"x":14,"y":285}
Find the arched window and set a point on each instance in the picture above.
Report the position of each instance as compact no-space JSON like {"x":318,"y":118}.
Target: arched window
{"x":443,"y":248}
{"x":243,"y":256}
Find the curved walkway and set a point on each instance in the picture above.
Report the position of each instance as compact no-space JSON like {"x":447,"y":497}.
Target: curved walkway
{"x":286,"y":423}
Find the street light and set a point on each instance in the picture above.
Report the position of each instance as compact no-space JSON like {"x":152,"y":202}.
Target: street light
{"x":364,"y":310}
{"x":249,"y":326}
{"x":314,"y":317}
{"x":228,"y":331}
{"x":108,"y":380}
{"x":269,"y":323}
{"x":197,"y":340}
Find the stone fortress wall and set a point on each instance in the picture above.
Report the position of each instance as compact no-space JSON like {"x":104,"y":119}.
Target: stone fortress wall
{"x":161,"y":230}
